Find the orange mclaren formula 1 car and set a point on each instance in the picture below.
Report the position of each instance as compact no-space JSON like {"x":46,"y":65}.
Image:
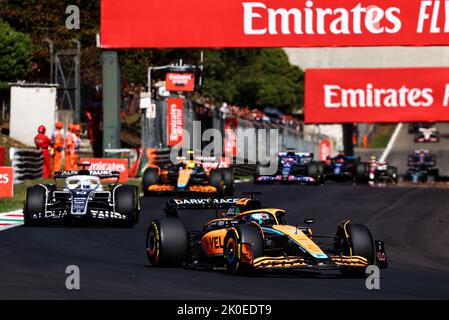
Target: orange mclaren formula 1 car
{"x":249,"y":237}
{"x":192,"y":176}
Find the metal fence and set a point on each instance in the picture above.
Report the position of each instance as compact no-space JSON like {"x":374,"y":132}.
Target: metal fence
{"x":154,"y":131}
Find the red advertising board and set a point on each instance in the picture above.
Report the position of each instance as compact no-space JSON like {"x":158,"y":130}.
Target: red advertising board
{"x":2,"y":156}
{"x":272,"y":23}
{"x":179,"y":81}
{"x":376,"y":95}
{"x":120,"y":165}
{"x":230,"y":139}
{"x":175,"y":121}
{"x":325,"y":149}
{"x":6,"y":182}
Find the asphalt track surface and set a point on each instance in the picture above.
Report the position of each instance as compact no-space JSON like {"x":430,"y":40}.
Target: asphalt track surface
{"x":113,"y":264}
{"x":405,"y":145}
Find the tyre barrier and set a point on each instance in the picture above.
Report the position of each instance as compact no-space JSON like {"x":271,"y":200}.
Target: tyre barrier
{"x":27,"y":164}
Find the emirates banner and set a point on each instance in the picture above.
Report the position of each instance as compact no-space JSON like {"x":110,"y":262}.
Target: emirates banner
{"x":376,"y":95}
{"x":179,"y":81}
{"x":175,"y":121}
{"x":230,"y":139}
{"x":6,"y":182}
{"x":272,"y":23}
{"x":325,"y":149}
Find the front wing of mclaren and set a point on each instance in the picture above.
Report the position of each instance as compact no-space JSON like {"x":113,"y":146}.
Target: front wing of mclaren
{"x":334,"y":262}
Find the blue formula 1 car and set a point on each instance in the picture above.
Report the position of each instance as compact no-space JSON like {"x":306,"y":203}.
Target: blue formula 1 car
{"x":346,"y":168}
{"x":421,"y":167}
{"x":293,"y":167}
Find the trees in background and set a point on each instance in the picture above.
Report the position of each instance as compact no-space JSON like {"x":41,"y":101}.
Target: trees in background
{"x":253,"y":77}
{"x":15,"y":55}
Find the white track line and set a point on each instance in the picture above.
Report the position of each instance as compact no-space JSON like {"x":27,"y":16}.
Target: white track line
{"x":11,"y":219}
{"x":391,"y":142}
{"x":243,"y":180}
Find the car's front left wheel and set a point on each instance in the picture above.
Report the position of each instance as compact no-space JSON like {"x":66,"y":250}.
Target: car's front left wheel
{"x":216,"y":180}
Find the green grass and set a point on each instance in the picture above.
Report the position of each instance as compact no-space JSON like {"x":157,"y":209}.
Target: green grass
{"x":243,"y":178}
{"x":17,"y":202}
{"x":10,"y":204}
{"x":382,"y":136}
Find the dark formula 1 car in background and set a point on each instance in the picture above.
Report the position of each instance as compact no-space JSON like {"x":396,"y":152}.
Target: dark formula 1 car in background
{"x":195,"y":175}
{"x":346,"y":168}
{"x":413,"y":127}
{"x":427,"y":135}
{"x":293,"y":167}
{"x":249,"y":237}
{"x":421,"y":167}
{"x":82,"y":198}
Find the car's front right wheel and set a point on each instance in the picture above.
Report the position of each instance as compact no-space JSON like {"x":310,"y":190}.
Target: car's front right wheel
{"x":126,"y":204}
{"x":34,"y":209}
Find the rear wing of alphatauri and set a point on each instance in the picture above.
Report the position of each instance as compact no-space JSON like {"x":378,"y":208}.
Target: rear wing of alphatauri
{"x":102,"y":174}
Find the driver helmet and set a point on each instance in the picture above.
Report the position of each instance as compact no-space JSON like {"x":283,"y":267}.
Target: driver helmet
{"x":190,"y":154}
{"x":257,"y":218}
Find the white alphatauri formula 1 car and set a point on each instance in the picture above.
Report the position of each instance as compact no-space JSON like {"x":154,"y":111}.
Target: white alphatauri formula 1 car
{"x":83,"y":198}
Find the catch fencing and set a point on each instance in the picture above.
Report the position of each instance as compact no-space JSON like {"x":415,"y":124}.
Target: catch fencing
{"x":154,"y":131}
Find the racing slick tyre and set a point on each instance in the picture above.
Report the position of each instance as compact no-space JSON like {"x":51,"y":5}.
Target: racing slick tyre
{"x":361,"y":172}
{"x":435,"y":173}
{"x":34,"y":205}
{"x":238,"y":240}
{"x":228,"y":180}
{"x":126,"y":204}
{"x":167,"y":242}
{"x":316,"y":170}
{"x":150,"y":177}
{"x":392,"y":173}
{"x":216,"y":180}
{"x":357,"y":241}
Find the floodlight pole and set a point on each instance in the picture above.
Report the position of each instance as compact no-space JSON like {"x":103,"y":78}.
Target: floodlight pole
{"x":111,"y":99}
{"x":77,"y":114}
{"x":51,"y":49}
